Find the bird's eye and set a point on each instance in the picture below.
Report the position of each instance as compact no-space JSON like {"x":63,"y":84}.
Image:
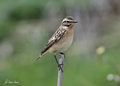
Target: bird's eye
{"x":67,"y":21}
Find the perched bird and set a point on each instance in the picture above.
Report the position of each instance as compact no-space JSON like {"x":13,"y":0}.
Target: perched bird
{"x":61,"y":39}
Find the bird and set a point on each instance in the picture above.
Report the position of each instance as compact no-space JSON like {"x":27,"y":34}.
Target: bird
{"x":61,"y":39}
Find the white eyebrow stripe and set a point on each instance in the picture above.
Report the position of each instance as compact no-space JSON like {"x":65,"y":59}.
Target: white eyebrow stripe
{"x":65,"y":20}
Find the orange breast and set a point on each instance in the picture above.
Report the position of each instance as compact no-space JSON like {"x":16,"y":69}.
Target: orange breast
{"x":64,"y":43}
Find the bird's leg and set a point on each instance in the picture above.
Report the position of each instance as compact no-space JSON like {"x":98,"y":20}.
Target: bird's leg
{"x":58,"y":63}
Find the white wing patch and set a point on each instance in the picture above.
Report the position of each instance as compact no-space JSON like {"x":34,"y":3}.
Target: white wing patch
{"x":53,"y":38}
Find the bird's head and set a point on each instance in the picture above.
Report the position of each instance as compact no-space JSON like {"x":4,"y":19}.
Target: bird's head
{"x":68,"y":22}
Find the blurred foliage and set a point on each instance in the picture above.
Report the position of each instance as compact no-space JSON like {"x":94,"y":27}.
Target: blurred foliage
{"x":24,"y":31}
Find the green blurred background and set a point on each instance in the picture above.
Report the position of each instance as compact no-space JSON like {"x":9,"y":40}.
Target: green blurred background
{"x":92,"y":60}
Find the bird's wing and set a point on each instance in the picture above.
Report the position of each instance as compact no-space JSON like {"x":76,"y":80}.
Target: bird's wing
{"x":55,"y":38}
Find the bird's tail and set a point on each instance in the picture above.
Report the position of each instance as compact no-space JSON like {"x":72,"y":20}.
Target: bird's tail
{"x":38,"y":57}
{"x":41,"y":55}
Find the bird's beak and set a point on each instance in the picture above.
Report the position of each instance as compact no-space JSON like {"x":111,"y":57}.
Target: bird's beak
{"x":75,"y":21}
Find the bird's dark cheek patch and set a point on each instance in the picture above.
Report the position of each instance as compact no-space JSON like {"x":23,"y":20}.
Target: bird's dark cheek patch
{"x":68,"y":25}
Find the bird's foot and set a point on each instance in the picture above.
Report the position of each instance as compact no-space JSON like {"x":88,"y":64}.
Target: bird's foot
{"x":59,"y":65}
{"x":60,"y":68}
{"x":62,"y":54}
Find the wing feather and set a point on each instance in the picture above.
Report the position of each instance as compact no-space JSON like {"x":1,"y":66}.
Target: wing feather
{"x":55,"y":38}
